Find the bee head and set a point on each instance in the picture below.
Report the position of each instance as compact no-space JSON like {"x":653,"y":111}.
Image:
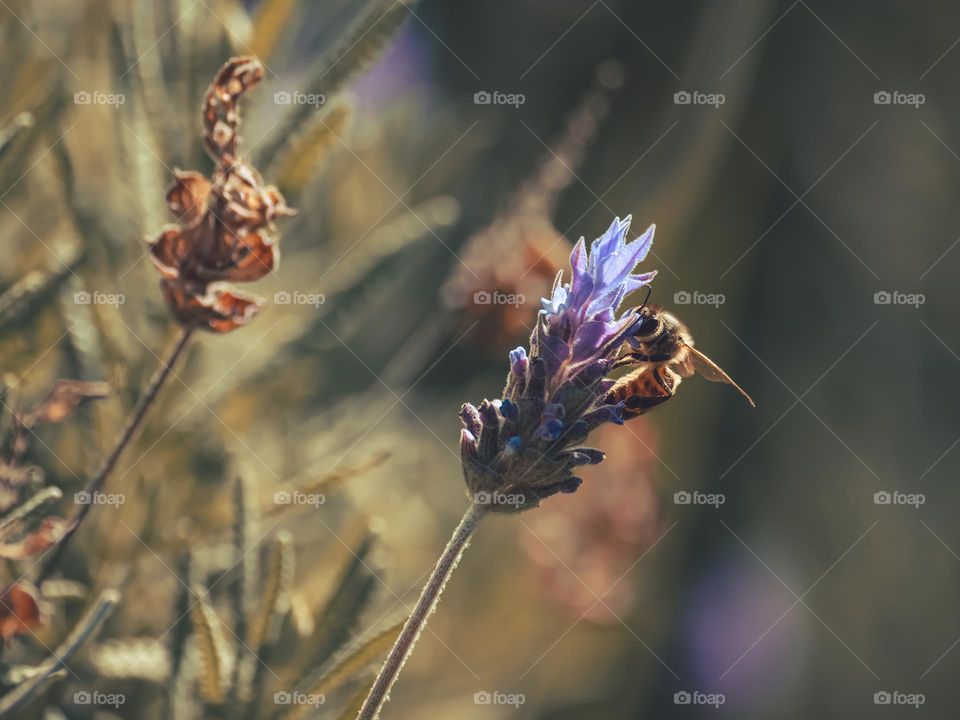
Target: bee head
{"x":649,"y":324}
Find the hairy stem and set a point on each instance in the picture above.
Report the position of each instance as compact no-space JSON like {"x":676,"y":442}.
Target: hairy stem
{"x":417,"y":621}
{"x":129,"y":432}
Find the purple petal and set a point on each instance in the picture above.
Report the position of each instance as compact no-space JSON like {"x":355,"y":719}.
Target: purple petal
{"x":618,"y":265}
{"x":590,"y":337}
{"x":554,"y":352}
{"x":609,"y":242}
{"x":578,"y":259}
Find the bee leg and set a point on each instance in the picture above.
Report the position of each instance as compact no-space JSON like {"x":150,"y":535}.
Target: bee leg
{"x":637,"y":406}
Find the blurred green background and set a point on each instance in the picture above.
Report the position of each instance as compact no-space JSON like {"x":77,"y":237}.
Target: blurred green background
{"x":806,"y":229}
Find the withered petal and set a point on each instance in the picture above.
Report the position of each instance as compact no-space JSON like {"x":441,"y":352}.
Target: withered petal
{"x":219,"y":310}
{"x":188,"y":196}
{"x":169,"y":250}
{"x":256,"y":257}
{"x":63,"y":399}
{"x":235,"y":309}
{"x":220,"y":116}
{"x":49,"y":532}
{"x":20,"y":610}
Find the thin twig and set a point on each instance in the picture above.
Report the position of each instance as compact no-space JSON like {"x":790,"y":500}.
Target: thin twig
{"x":417,"y":621}
{"x":86,"y":627}
{"x":129,"y":432}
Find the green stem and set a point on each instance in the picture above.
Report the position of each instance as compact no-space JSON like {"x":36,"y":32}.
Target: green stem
{"x":417,"y":621}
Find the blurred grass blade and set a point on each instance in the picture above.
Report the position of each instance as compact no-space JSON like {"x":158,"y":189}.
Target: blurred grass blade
{"x":47,"y":494}
{"x":272,"y":20}
{"x":12,"y":131}
{"x":212,"y":648}
{"x":346,"y":669}
{"x":335,"y":623}
{"x":306,"y":152}
{"x":353,"y":707}
{"x":277,"y":584}
{"x":360,"y":45}
{"x":246,"y":581}
{"x":28,"y":295}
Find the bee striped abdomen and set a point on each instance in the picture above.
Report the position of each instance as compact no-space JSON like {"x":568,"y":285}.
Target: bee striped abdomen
{"x":643,"y":390}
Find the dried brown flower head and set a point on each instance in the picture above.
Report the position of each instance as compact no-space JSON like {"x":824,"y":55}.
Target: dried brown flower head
{"x":21,"y":494}
{"x":509,"y":263}
{"x":47,"y":534}
{"x":224,"y":230}
{"x":64,"y":397}
{"x":514,"y":260}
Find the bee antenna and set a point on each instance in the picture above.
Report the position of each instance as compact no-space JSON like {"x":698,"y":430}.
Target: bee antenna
{"x":644,"y":303}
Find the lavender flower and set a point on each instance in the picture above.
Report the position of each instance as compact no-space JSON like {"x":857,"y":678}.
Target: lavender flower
{"x":525,"y":446}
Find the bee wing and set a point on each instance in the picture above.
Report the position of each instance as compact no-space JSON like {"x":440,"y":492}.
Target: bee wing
{"x":713,"y":372}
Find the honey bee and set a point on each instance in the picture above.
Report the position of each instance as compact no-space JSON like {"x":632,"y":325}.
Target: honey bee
{"x":664,"y":355}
